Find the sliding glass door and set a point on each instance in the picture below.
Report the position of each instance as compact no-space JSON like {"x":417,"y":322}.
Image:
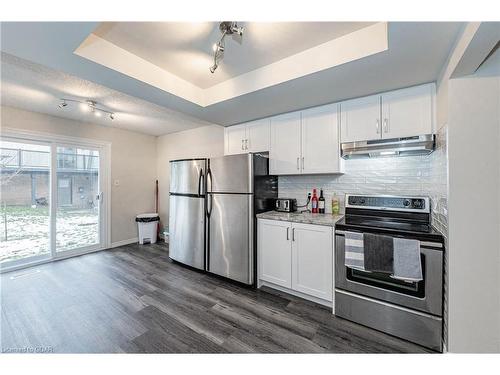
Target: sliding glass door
{"x":78,"y":203}
{"x":51,"y":200}
{"x":25,"y":201}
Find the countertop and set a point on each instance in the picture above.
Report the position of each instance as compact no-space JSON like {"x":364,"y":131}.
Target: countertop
{"x":304,"y":217}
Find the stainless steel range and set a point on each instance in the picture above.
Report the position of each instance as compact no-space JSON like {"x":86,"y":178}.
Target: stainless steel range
{"x":410,"y":309}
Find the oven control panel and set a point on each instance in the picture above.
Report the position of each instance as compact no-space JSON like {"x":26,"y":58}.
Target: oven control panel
{"x":388,"y":202}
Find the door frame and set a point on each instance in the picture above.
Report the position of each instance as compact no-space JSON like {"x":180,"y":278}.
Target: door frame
{"x":55,"y":140}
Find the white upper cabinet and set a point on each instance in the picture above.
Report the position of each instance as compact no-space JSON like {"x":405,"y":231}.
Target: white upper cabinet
{"x":234,"y":140}
{"x":360,"y":119}
{"x":252,"y":136}
{"x":408,"y":112}
{"x":306,"y":142}
{"x":258,"y":135}
{"x":401,"y":113}
{"x":285,"y":151}
{"x":320,"y":140}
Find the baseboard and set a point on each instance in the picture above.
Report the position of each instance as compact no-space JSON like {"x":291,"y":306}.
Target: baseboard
{"x":295,"y":293}
{"x":50,"y":260}
{"x":162,"y":237}
{"x":125,"y":242}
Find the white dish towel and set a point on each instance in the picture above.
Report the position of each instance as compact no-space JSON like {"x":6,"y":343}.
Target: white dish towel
{"x":407,"y":264}
{"x":354,"y":251}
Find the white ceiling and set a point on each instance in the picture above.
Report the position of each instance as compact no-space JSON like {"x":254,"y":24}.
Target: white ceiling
{"x":353,"y":46}
{"x":37,"y":88}
{"x":417,"y":51}
{"x":185,"y":48}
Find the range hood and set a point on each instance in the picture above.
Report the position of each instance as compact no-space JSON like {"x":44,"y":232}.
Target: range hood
{"x":407,"y":146}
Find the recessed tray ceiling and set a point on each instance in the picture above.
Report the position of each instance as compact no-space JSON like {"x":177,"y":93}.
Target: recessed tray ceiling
{"x":175,"y":57}
{"x":185,"y":48}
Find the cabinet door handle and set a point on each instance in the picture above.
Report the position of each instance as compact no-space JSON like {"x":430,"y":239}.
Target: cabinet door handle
{"x":386,"y":125}
{"x":298,"y":165}
{"x":293,"y":234}
{"x":302,"y":162}
{"x":287,"y":233}
{"x":377,"y":126}
{"x":246,"y":144}
{"x":242,"y":144}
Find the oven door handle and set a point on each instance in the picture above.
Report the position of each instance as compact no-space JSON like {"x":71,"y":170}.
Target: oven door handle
{"x":424,"y":244}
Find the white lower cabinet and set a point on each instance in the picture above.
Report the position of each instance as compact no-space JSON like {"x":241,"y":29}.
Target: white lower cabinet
{"x":275,"y":260}
{"x":312,"y":260}
{"x":296,"y":258}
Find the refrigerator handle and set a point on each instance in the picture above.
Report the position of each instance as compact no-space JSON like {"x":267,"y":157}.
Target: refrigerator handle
{"x":200,"y":178}
{"x":209,"y":205}
{"x":209,"y":174}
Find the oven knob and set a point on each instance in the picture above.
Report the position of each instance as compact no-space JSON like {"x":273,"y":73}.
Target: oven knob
{"x":417,"y":204}
{"x":406,"y":203}
{"x":355,"y":201}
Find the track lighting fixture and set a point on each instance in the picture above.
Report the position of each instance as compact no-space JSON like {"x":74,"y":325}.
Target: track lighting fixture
{"x":88,"y":106}
{"x":226,"y":28}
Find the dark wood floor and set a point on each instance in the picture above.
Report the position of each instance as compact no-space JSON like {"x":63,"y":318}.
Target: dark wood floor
{"x":135,"y":299}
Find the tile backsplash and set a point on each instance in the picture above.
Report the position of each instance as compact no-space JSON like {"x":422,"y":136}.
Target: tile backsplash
{"x":438,"y":189}
{"x":439,"y":195}
{"x":412,"y":175}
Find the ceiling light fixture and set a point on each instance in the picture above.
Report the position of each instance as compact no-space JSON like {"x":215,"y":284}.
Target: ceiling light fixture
{"x":226,"y":28}
{"x":88,"y":106}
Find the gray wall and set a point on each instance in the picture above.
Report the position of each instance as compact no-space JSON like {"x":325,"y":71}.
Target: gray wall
{"x":133,"y":163}
{"x":207,"y":141}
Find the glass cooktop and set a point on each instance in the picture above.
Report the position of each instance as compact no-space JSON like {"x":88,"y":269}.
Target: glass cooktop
{"x":392,"y":227}
{"x":407,"y":226}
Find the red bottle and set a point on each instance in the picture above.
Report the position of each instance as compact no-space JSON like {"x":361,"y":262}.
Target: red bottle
{"x":314,"y":202}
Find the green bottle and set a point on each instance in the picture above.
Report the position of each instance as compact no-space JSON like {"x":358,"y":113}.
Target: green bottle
{"x":335,"y":205}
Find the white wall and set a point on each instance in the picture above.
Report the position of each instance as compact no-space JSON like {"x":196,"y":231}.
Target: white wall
{"x":456,"y":53}
{"x":474,"y":210}
{"x":207,"y":141}
{"x":133,"y":162}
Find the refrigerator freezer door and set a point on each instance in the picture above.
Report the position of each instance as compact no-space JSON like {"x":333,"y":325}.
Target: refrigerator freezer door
{"x":186,"y":176}
{"x":187,"y":230}
{"x":231,"y":174}
{"x":231,"y":236}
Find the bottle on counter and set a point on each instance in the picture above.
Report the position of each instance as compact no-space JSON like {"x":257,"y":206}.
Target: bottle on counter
{"x":335,"y":205}
{"x":321,"y":202}
{"x":314,"y":202}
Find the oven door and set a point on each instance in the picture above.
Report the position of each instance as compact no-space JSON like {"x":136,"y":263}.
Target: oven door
{"x":425,"y":295}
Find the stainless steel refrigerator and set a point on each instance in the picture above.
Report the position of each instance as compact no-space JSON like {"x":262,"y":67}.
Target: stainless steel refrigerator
{"x":213,"y":203}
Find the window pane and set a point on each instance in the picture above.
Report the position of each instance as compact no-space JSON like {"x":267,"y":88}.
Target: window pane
{"x":24,"y":199}
{"x":77,"y":218}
